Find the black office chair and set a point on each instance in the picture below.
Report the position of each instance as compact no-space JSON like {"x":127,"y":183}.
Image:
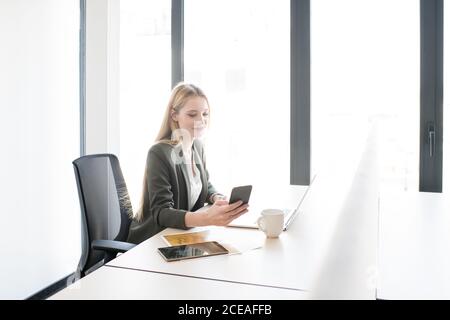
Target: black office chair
{"x":106,"y":210}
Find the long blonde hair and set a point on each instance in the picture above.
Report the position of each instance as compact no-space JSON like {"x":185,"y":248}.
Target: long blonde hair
{"x":181,"y":93}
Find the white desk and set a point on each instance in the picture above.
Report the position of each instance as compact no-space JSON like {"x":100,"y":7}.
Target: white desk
{"x":271,"y":265}
{"x":109,"y":283}
{"x":298,"y":260}
{"x":291,"y":261}
{"x":286,"y":262}
{"x":414,"y":246}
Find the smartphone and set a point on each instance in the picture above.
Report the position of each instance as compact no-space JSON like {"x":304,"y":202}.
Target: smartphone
{"x":194,"y":250}
{"x":240,"y":193}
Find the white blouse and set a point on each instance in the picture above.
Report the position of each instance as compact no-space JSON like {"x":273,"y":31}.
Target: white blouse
{"x":196,"y":184}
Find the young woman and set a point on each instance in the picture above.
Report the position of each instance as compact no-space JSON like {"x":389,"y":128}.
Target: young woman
{"x":176,"y":182}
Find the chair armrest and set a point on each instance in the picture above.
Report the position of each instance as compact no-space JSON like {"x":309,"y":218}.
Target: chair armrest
{"x":111,"y":245}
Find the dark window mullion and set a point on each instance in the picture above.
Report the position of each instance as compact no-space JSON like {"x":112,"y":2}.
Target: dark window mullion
{"x":431,"y":95}
{"x":177,"y":37}
{"x":300,"y":93}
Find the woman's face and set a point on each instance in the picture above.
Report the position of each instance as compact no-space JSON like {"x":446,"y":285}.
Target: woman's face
{"x":193,"y":117}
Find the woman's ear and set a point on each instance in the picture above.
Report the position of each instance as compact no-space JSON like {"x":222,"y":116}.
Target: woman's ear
{"x":174,"y":115}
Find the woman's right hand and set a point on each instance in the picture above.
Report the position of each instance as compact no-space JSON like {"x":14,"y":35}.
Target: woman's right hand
{"x":221,"y":213}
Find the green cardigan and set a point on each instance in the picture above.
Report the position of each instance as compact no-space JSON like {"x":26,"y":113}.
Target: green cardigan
{"x":167,"y":190}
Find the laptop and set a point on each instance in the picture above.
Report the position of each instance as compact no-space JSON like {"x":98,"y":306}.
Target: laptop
{"x":249,"y":220}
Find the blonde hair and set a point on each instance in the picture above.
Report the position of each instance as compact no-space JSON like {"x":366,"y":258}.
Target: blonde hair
{"x":181,"y":93}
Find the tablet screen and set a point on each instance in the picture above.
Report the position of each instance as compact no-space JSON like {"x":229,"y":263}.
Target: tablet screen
{"x":195,"y":250}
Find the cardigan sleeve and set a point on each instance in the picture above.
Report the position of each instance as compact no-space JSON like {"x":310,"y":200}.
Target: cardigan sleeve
{"x":161,"y":203}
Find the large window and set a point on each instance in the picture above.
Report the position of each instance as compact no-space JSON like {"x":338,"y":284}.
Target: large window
{"x":145,"y":84}
{"x":39,"y":134}
{"x":238,"y":52}
{"x":365,"y":68}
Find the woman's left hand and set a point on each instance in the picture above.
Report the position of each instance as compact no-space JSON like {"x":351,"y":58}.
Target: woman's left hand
{"x":218,"y":197}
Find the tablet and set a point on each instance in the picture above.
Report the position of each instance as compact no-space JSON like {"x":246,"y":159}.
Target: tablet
{"x":189,"y":251}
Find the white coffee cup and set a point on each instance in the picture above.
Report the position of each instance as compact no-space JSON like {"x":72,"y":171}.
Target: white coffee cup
{"x":271,"y":222}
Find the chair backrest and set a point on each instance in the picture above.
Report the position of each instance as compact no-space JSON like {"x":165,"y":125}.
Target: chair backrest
{"x":105,"y":204}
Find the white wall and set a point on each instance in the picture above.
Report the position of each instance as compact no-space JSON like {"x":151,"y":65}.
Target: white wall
{"x":39,"y":135}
